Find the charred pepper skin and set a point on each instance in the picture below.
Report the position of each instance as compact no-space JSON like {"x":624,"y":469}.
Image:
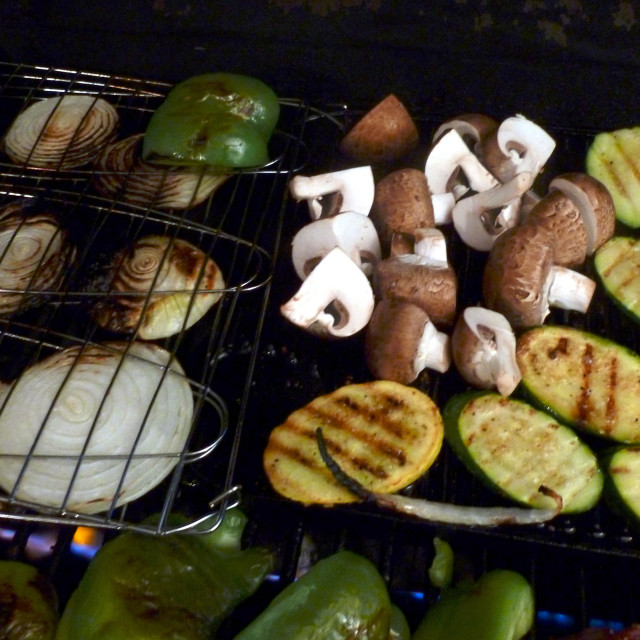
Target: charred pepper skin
{"x":174,"y":586}
{"x":28,"y":603}
{"x":341,"y":597}
{"x":498,"y":606}
{"x":222,"y":120}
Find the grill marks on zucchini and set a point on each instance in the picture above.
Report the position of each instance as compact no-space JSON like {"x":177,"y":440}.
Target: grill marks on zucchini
{"x":382,"y":433}
{"x":517,"y":450}
{"x":590,"y":382}
{"x":617,"y":264}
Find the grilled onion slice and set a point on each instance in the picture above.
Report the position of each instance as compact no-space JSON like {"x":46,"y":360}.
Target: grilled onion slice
{"x":185,"y":283}
{"x":62,"y":132}
{"x":112,"y":402}
{"x":34,"y":256}
{"x":121,"y":172}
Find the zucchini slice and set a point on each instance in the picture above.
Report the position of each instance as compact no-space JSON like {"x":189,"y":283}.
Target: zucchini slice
{"x":516,"y":449}
{"x":590,"y":382}
{"x":617,"y":264}
{"x":622,"y":482}
{"x":614,"y":158}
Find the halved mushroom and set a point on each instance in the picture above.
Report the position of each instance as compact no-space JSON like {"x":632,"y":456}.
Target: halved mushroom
{"x":384,"y":134}
{"x":351,"y":232}
{"x":474,"y":128}
{"x":329,"y":194}
{"x":336,"y":298}
{"x":483,"y":347}
{"x":479,"y":219}
{"x":594,"y":202}
{"x":521,"y":281}
{"x":402,"y":203}
{"x":401,"y":341}
{"x":448,"y":157}
{"x":518,"y":144}
{"x":424,"y":278}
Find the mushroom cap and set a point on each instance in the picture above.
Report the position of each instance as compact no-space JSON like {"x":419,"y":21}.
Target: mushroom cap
{"x":599,"y":202}
{"x":516,"y":271}
{"x":391,"y":340}
{"x":402,"y":203}
{"x":384,"y":134}
{"x":561,"y":216}
{"x":408,"y":279}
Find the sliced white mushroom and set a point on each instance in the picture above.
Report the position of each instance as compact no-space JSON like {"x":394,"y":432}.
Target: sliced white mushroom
{"x":473,"y":127}
{"x":482,"y":217}
{"x":443,"y":204}
{"x":483,"y":347}
{"x":447,"y":158}
{"x":336,"y":298}
{"x":352,"y":232}
{"x":328,"y":194}
{"x":518,"y":145}
{"x":431,"y":246}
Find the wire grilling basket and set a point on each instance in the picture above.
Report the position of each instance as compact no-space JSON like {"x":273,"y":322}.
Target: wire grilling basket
{"x":100,"y":220}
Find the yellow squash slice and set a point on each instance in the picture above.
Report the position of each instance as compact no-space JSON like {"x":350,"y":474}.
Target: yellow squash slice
{"x":383,"y":434}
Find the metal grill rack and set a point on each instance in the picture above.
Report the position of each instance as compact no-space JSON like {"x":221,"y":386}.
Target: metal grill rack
{"x":302,"y":367}
{"x":239,"y":225}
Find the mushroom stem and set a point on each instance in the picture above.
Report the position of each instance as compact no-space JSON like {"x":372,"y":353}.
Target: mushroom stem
{"x":568,"y":289}
{"x":432,"y":351}
{"x":335,"y":299}
{"x":431,"y":246}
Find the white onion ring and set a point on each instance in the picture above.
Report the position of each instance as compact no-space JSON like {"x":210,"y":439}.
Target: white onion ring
{"x":62,"y":132}
{"x":184,"y":272}
{"x":82,"y":378}
{"x":34,"y":256}
{"x":120,"y":172}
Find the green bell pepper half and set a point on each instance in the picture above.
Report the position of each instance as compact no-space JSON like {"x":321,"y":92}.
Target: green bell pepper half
{"x":498,"y":606}
{"x":342,"y":596}
{"x":179,"y":586}
{"x":28,"y":603}
{"x":217,"y":119}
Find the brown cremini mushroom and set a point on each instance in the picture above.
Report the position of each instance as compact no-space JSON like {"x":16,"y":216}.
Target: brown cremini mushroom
{"x":402,"y":203}
{"x":424,"y":278}
{"x":483,"y":348}
{"x":594,"y":203}
{"x":384,"y":134}
{"x":474,"y":128}
{"x":521,"y":281}
{"x":401,"y":341}
{"x":559,"y":214}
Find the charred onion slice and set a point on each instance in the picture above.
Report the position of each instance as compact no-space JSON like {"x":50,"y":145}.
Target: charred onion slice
{"x":62,"y":132}
{"x":439,"y":511}
{"x":34,"y":256}
{"x":183,"y":280}
{"x":120,"y":172}
{"x":99,"y":397}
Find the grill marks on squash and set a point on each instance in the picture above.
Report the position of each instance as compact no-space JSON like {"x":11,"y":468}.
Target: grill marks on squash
{"x":382,"y":433}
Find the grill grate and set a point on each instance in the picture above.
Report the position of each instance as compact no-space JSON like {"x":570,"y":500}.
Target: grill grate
{"x":239,"y":225}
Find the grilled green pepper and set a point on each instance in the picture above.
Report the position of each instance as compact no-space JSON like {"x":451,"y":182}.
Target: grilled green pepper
{"x":342,"y":596}
{"x":498,"y":606}
{"x":28,"y":603}
{"x":217,"y":119}
{"x":175,"y":586}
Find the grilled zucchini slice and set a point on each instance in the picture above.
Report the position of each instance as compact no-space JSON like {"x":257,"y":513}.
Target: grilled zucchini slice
{"x":622,"y":482}
{"x":516,"y":449}
{"x":614,"y":158}
{"x":382,"y":433}
{"x":617,"y":264}
{"x":590,"y":382}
